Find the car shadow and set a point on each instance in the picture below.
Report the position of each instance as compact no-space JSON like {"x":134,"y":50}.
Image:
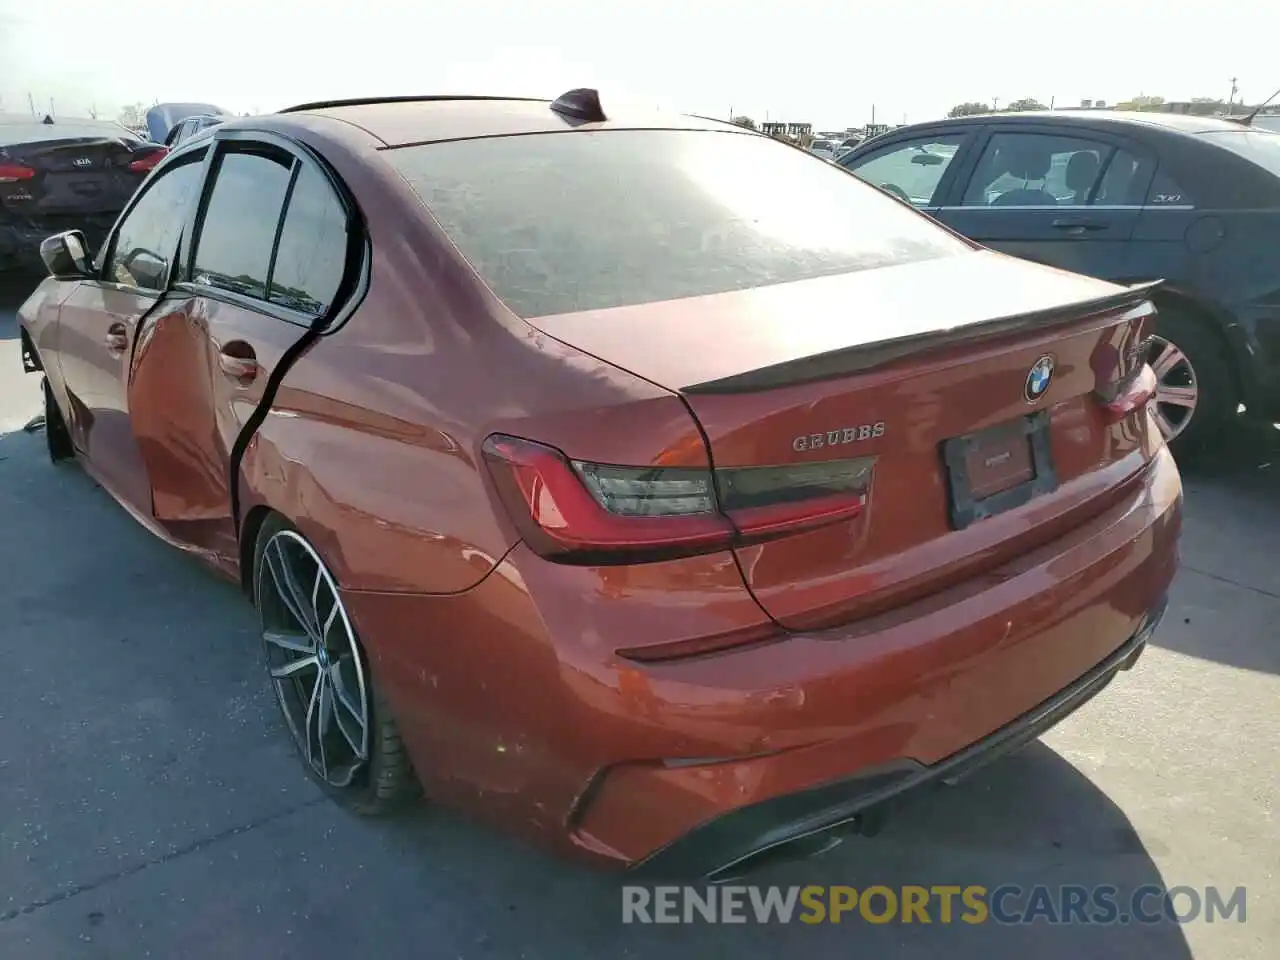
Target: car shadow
{"x":1028,"y":819}
{"x":1227,"y":596}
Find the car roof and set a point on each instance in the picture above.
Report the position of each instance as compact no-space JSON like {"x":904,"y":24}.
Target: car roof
{"x":399,"y":121}
{"x":1171,"y":122}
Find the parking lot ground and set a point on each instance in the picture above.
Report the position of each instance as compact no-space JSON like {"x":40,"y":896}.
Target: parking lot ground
{"x":150,"y":805}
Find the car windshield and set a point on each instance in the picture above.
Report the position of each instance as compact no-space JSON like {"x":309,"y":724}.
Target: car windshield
{"x":1260,"y":146}
{"x":587,"y":220}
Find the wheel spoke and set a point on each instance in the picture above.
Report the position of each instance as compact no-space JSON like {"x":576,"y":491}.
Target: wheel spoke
{"x":293,"y":642}
{"x":1178,"y":396}
{"x":289,"y":590}
{"x":308,"y":722}
{"x":293,"y":666}
{"x":1169,"y":358}
{"x":324,"y":718}
{"x":1166,"y":428}
{"x":328,"y":624}
{"x":349,"y":714}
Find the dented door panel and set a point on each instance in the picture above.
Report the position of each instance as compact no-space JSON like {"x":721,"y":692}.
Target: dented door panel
{"x":170,"y":405}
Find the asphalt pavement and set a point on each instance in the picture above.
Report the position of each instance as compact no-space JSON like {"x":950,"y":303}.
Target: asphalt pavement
{"x":151,"y":805}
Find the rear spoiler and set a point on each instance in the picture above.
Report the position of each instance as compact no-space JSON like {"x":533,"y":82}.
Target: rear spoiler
{"x":867,"y":357}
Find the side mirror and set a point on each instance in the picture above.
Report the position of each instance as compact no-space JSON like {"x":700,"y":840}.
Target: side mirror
{"x":66,"y":255}
{"x":147,"y":269}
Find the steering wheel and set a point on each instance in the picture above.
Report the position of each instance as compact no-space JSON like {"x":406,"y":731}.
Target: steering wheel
{"x":896,"y":190}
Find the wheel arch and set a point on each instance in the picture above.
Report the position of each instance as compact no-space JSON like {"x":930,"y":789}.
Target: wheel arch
{"x":1178,"y":301}
{"x":1173,"y":299}
{"x":249,"y":528}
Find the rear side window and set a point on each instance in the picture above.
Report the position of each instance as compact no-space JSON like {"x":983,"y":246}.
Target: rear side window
{"x":563,"y":222}
{"x":239,"y":230}
{"x":313,"y":247}
{"x":1260,"y":146}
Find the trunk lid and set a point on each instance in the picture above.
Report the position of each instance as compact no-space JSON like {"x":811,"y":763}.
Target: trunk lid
{"x":896,"y":368}
{"x":71,"y":175}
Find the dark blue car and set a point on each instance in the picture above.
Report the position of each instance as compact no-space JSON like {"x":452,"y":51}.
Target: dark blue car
{"x":1125,"y":197}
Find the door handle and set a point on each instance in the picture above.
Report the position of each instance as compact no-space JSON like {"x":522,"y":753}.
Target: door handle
{"x":1073,"y":225}
{"x":117,"y":338}
{"x":238,"y":361}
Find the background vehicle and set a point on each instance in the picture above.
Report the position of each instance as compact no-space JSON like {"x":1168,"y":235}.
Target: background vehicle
{"x":826,"y":149}
{"x":502,"y":413}
{"x":190,"y":127}
{"x":65,"y":175}
{"x":163,"y":117}
{"x":1126,"y":198}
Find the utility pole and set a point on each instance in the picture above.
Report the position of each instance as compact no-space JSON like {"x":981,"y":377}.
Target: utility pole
{"x":1232,"y":99}
{"x":51,"y":112}
{"x":995,"y":104}
{"x":32,"y":101}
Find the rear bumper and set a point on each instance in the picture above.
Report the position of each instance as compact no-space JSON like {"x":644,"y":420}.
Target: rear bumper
{"x":514,"y":705}
{"x":20,"y":238}
{"x":737,"y":837}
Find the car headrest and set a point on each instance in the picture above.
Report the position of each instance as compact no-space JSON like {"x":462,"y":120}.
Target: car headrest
{"x":1082,"y":170}
{"x":1026,"y":161}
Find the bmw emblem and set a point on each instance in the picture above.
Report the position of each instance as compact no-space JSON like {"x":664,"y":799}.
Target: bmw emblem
{"x":1038,"y":379}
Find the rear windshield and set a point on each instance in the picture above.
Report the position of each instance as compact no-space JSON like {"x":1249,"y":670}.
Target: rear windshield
{"x":13,"y":134}
{"x":1260,"y":146}
{"x":586,"y":220}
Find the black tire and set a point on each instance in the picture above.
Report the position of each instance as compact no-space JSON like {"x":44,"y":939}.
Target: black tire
{"x":57,"y":437}
{"x":386,"y":780}
{"x":1218,"y":396}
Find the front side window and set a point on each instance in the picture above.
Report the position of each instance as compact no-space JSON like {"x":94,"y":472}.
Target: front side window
{"x":233,"y":251}
{"x":588,"y":220}
{"x":312,"y":255}
{"x":911,"y":170}
{"x":147,"y":239}
{"x":1046,"y":170}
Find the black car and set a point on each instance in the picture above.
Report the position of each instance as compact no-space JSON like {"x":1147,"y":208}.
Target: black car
{"x":1125,"y":197}
{"x":65,"y":175}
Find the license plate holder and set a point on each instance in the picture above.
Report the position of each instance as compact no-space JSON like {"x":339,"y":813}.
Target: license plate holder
{"x":997,"y":469}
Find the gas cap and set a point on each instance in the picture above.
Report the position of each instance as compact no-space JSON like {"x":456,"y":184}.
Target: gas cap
{"x":1205,"y":234}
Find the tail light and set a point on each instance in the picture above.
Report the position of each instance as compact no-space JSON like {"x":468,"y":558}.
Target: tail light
{"x":13,"y":172}
{"x":578,"y":512}
{"x":1131,"y":394}
{"x":147,"y":163}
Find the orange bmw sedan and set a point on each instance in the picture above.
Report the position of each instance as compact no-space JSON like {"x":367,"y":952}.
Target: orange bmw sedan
{"x":637,"y":483}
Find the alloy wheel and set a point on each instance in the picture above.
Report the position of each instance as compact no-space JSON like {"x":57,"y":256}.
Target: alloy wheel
{"x":1177,"y":389}
{"x":314,"y":659}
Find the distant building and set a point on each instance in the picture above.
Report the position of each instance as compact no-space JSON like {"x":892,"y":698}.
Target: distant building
{"x":793,"y":130}
{"x":875,"y":129}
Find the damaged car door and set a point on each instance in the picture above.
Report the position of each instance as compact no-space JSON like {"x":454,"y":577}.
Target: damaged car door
{"x":100,"y":321}
{"x":267,"y":258}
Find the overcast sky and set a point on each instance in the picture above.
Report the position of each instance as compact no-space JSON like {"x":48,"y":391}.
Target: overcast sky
{"x":824,"y":61}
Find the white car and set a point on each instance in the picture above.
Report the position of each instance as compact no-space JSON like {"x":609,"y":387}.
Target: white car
{"x":826,"y":149}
